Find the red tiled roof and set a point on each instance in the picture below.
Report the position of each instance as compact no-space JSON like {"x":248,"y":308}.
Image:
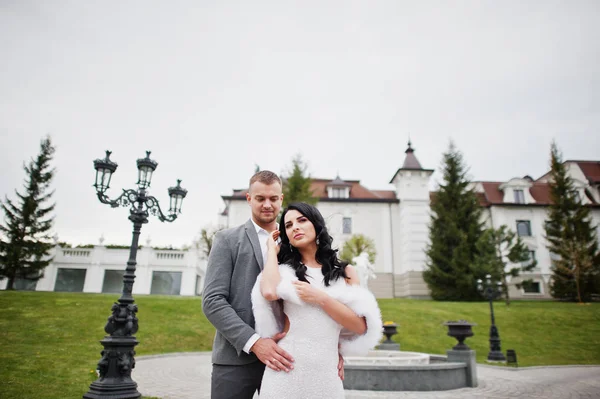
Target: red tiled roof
{"x":319,"y":189}
{"x":591,"y":170}
{"x":494,"y":196}
{"x":491,"y":192}
{"x":389,"y":194}
{"x":357,"y":191}
{"x":482,"y":200}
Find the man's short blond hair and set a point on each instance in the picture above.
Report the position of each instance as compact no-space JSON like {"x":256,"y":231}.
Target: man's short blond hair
{"x":265,"y":177}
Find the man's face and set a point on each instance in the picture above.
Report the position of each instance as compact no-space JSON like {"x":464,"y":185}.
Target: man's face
{"x":265,"y":202}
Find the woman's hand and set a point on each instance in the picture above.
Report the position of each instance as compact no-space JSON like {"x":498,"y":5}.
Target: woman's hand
{"x":309,"y":293}
{"x":272,"y":242}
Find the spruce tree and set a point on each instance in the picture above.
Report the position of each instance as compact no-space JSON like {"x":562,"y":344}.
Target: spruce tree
{"x":297,"y":186}
{"x":454,"y":230}
{"x":496,"y":250}
{"x":571,"y":237}
{"x":25,"y":242}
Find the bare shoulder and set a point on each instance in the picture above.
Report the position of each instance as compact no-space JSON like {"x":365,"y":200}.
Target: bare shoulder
{"x":352,"y":275}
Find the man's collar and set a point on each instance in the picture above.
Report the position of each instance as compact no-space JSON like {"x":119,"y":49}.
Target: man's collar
{"x":259,"y":229}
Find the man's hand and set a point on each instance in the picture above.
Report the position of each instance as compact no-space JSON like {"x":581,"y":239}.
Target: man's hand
{"x":268,"y":352}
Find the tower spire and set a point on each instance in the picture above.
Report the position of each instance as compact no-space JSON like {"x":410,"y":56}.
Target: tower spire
{"x":411,"y":161}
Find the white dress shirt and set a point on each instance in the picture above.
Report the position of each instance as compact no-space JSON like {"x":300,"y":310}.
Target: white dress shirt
{"x":263,"y":235}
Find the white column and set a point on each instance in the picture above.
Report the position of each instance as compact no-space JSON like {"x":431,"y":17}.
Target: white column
{"x":46,"y":283}
{"x":93,"y":278}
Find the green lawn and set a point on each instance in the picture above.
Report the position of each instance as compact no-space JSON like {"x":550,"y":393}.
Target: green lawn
{"x":541,"y":333}
{"x":49,"y":341}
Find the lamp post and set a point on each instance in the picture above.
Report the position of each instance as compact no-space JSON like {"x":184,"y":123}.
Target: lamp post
{"x":492,"y":291}
{"x":118,"y":360}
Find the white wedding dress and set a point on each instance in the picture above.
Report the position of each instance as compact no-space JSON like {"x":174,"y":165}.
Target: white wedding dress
{"x":312,"y":340}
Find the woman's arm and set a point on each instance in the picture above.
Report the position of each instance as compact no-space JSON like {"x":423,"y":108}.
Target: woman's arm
{"x":339,"y":312}
{"x":344,"y":315}
{"x":270,"y":274}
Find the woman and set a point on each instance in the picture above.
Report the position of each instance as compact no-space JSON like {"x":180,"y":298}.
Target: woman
{"x":321,"y":298}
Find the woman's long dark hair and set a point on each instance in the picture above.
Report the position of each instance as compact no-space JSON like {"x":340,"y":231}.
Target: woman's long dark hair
{"x":332,"y":267}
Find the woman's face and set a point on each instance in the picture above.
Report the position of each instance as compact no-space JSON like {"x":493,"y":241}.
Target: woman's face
{"x":300,"y":231}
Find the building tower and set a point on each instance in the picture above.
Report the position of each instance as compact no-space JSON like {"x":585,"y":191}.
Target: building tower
{"x":411,"y":234}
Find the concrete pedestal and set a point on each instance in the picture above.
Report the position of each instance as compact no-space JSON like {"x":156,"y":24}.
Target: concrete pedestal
{"x":388,"y":347}
{"x":467,"y":357}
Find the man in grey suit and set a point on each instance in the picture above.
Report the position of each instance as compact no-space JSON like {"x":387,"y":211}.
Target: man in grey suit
{"x":235,"y":260}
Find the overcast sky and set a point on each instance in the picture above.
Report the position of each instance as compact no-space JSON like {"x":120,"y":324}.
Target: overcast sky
{"x":213,"y":88}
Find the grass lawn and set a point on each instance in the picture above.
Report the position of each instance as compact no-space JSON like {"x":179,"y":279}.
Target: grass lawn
{"x":541,"y":333}
{"x":49,"y":341}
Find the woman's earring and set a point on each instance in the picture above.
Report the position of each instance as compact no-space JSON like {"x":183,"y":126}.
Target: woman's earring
{"x":291,"y":248}
{"x":318,"y":241}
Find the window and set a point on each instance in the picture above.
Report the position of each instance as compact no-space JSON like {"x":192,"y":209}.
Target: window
{"x":347,"y":225}
{"x":519,"y":196}
{"x":166,"y":283}
{"x":339,"y":192}
{"x":113,"y":281}
{"x":70,"y":280}
{"x":523,"y":228}
{"x":532,"y":287}
{"x":25,"y":284}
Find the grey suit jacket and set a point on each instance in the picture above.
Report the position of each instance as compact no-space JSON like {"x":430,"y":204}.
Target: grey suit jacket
{"x":234,"y":262}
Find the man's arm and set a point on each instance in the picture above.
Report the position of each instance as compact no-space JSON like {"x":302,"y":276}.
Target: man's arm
{"x":215,"y":296}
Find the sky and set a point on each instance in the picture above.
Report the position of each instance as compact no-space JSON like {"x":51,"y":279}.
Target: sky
{"x":215,"y":88}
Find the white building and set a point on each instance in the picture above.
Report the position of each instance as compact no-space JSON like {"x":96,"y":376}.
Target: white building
{"x":100,"y":270}
{"x":398,"y":220}
{"x":522,"y":205}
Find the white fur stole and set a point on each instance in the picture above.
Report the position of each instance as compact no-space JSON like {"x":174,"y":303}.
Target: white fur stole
{"x":269,"y":317}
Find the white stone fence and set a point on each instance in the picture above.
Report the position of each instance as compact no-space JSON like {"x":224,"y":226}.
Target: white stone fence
{"x":99,"y":269}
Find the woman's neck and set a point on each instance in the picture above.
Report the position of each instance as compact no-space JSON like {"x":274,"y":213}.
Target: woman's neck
{"x":308,"y":257}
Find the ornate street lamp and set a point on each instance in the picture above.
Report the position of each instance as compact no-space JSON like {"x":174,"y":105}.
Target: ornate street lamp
{"x":492,"y":291}
{"x":118,"y":360}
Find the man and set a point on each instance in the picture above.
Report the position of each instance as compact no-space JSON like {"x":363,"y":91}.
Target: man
{"x":235,"y":260}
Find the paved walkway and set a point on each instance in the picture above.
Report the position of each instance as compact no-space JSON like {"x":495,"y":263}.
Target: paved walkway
{"x":187,"y":376}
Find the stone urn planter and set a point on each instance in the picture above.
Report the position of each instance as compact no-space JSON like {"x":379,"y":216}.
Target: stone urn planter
{"x":389,"y":329}
{"x":460,"y":330}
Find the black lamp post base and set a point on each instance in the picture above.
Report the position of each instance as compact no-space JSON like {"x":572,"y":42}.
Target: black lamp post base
{"x":115,"y":368}
{"x":123,"y":390}
{"x":496,"y":356}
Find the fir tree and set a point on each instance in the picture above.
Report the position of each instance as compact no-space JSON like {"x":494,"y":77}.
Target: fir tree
{"x":571,"y":237}
{"x":25,"y":243}
{"x":297,"y":186}
{"x":454,"y":230}
{"x":496,"y":250}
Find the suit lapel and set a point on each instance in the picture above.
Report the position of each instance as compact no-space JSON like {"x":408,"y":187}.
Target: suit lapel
{"x":253,"y":237}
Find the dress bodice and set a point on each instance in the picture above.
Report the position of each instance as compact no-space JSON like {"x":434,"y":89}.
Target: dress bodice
{"x":312,"y":340}
{"x":308,"y":321}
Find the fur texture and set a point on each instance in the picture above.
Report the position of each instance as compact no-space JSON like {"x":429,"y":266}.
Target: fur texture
{"x":269,"y":317}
